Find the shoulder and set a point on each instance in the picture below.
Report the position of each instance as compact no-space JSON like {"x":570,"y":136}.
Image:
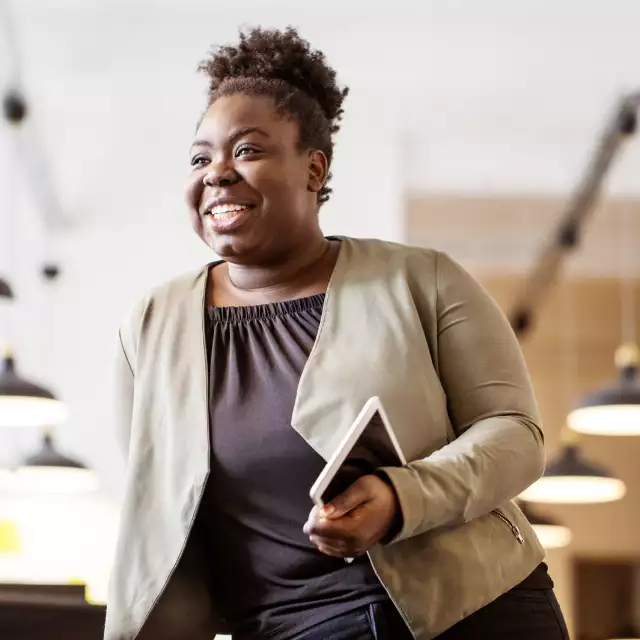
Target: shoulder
{"x":423,"y":262}
{"x":162,"y":297}
{"x":372,"y":248}
{"x":427,"y":272}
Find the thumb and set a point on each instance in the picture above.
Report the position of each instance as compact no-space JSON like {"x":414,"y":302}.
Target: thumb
{"x":356,"y":495}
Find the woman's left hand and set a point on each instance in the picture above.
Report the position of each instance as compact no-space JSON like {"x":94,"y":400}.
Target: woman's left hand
{"x":356,"y":520}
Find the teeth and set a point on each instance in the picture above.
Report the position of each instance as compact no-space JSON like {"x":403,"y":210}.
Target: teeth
{"x":225,"y":211}
{"x":225,"y":215}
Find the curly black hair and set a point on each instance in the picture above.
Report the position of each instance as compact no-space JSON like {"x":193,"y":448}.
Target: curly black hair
{"x":282,"y":65}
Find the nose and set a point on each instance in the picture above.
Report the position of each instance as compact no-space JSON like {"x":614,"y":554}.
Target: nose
{"x":220,"y":174}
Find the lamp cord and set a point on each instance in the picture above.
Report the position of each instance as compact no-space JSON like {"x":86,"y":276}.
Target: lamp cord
{"x":9,"y":35}
{"x":629,"y":311}
{"x":11,"y":39}
{"x":568,"y":328}
{"x":7,"y":221}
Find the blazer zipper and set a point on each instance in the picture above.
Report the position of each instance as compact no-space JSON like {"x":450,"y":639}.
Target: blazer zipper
{"x":495,"y":512}
{"x":514,"y":528}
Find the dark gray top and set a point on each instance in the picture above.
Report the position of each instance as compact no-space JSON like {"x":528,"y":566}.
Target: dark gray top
{"x":269,"y":581}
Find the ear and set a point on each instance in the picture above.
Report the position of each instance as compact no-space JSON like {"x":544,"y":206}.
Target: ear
{"x":318,"y":170}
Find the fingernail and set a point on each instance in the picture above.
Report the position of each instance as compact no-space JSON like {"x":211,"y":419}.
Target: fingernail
{"x":328,"y":510}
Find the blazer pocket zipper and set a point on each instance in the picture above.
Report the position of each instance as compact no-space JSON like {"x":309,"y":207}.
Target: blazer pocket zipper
{"x":514,"y":529}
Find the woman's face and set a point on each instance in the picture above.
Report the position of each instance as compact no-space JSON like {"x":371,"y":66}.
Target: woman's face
{"x":251,"y":190}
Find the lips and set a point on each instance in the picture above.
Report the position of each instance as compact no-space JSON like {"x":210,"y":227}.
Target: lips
{"x":223,"y":217}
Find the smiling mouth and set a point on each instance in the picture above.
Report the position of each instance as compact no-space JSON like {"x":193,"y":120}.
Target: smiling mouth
{"x":227,"y":211}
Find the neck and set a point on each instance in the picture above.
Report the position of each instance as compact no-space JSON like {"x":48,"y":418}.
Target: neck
{"x":292,"y":270}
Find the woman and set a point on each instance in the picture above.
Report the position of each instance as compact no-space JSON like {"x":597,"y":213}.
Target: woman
{"x":236,"y":384}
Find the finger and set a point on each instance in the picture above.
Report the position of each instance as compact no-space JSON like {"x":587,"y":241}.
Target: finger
{"x":356,"y":495}
{"x":334,"y":529}
{"x":316,"y":522}
{"x":330,"y":547}
{"x":316,"y":512}
{"x":320,"y":524}
{"x":337,"y":550}
{"x":314,"y":516}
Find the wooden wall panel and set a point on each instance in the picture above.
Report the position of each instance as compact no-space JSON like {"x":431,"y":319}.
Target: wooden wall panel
{"x":506,"y":232}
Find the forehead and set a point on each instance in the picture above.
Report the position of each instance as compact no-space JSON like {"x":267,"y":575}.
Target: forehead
{"x":240,"y":111}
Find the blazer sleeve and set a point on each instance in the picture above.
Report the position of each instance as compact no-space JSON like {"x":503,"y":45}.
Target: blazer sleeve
{"x":498,"y":450}
{"x":123,"y":395}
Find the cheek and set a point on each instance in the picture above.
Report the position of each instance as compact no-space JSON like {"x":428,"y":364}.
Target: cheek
{"x":193,"y":187}
{"x":279,"y":184}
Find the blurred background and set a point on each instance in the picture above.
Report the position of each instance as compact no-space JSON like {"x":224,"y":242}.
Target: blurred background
{"x":500,"y":132}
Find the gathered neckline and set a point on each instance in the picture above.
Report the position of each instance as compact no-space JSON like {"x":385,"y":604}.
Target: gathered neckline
{"x":268,"y":310}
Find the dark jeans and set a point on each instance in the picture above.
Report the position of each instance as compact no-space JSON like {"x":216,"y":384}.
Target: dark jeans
{"x":520,"y":614}
{"x":377,"y":621}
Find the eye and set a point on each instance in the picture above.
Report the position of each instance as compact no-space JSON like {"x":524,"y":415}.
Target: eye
{"x":245,"y":149}
{"x":199,"y":160}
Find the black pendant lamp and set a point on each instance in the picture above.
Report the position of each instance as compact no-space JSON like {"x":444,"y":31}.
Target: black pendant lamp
{"x":627,"y":632}
{"x":49,"y":470}
{"x":572,"y":479}
{"x":5,"y":290}
{"x":550,"y":532}
{"x":614,"y":410}
{"x":24,"y":403}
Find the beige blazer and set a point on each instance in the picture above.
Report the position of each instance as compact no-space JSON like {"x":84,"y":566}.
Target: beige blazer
{"x":406,"y":324}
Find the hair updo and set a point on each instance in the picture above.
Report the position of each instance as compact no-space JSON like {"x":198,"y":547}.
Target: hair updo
{"x":281,"y":65}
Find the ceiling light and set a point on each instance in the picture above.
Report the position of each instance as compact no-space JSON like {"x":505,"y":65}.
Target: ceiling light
{"x":49,"y":471}
{"x":5,"y":289}
{"x":24,"y":403}
{"x":614,"y":410}
{"x":550,"y":532}
{"x":571,"y":479}
{"x":629,"y":632}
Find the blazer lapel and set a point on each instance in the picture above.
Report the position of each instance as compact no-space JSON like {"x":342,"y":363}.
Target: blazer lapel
{"x":370,"y":343}
{"x":187,"y":373}
{"x":327,"y":403}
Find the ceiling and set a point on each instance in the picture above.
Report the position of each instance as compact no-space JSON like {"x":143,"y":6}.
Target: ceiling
{"x":489,"y":96}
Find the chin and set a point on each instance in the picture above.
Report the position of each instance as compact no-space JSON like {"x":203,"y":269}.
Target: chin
{"x":232,"y":248}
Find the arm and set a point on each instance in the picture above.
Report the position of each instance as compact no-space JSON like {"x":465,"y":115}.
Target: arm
{"x":499,"y":448}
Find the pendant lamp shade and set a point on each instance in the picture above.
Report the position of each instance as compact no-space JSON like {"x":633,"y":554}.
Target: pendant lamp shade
{"x":571,"y":479}
{"x":25,"y":404}
{"x":5,"y":289}
{"x":614,"y":410}
{"x":50,"y":471}
{"x":550,"y":532}
{"x":628,"y":632}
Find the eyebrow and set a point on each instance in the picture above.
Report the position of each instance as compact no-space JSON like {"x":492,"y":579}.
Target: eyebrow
{"x":236,"y":135}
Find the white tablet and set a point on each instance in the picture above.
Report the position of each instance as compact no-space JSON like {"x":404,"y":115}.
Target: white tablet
{"x":369,"y":444}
